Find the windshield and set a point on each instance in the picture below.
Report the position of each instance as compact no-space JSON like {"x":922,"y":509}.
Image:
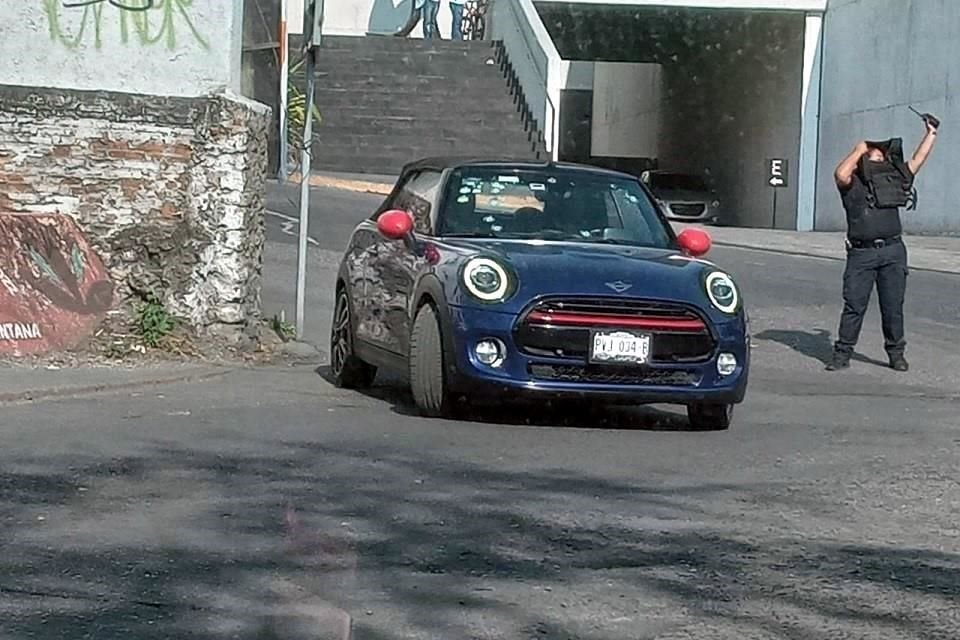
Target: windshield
{"x":562,"y":205}
{"x":677,"y":182}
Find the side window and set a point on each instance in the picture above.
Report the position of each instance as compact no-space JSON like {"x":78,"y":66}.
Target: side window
{"x":417,"y":196}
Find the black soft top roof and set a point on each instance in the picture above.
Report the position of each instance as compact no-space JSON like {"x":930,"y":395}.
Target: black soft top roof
{"x":441,"y":163}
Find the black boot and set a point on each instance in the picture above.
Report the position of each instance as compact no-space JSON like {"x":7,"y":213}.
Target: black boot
{"x":840,"y":360}
{"x":898,"y":362}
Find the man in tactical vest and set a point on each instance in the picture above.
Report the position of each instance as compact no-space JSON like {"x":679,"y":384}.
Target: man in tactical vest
{"x":874,"y":182}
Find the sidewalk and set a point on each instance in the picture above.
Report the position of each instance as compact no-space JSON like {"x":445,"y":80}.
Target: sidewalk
{"x":22,"y":383}
{"x":926,"y":253}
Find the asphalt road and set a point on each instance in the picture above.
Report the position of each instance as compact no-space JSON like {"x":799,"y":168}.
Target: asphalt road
{"x":267,"y":503}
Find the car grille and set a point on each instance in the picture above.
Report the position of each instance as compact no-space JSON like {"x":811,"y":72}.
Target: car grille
{"x":562,"y":328}
{"x":688,"y":209}
{"x":614,"y":375}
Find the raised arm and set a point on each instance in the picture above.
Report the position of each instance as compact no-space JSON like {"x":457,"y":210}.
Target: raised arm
{"x":843,"y":174}
{"x":924,"y":148}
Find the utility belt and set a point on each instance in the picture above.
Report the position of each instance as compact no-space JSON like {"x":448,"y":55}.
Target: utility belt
{"x":876,"y":243}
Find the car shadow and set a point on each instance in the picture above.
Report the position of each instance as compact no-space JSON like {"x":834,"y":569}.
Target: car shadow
{"x":571,"y":414}
{"x":815,"y":344}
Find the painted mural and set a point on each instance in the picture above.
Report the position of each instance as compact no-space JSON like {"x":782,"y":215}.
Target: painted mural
{"x":54,"y":288}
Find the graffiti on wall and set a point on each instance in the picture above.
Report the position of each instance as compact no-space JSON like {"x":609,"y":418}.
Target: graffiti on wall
{"x":146,"y":23}
{"x":54,"y":288}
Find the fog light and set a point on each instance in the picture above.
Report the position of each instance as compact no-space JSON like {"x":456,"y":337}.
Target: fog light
{"x":490,"y":352}
{"x":726,"y":364}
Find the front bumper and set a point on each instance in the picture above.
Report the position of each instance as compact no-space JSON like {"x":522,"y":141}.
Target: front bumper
{"x":520,"y":373}
{"x":691,"y":212}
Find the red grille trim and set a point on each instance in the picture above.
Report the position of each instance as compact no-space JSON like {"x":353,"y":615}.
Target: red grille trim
{"x":609,"y":320}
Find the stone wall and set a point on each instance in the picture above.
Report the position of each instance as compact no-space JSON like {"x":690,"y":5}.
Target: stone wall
{"x":168,"y":190}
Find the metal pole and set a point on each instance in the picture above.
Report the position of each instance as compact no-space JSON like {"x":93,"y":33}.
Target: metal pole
{"x":312,"y":28}
{"x":284,"y":93}
{"x":774,"y":224}
{"x":305,"y":167}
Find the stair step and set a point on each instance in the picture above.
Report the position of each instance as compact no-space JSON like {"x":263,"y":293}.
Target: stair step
{"x":432,"y":93}
{"x":380,"y":80}
{"x":388,"y":101}
{"x":384,"y":164}
{"x":466,"y":56}
{"x":412,"y":115}
{"x":413,"y":140}
{"x":493,"y":115}
{"x":365,"y":105}
{"x":404,"y":64}
{"x":420,"y":146}
{"x":393,"y":43}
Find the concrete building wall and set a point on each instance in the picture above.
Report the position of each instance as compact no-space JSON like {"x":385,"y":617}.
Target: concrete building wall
{"x":626,"y":109}
{"x":912,"y":49}
{"x":730,"y":107}
{"x":175,"y":48}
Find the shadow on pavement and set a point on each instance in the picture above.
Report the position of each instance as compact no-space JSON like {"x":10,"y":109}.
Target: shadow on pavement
{"x":255,"y":545}
{"x":531,"y":413}
{"x":815,"y":344}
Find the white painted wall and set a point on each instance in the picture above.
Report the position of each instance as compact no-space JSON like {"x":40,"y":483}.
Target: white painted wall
{"x":359,"y":17}
{"x":580,"y":75}
{"x":627,"y":102}
{"x":176,"y":48}
{"x":913,"y":51}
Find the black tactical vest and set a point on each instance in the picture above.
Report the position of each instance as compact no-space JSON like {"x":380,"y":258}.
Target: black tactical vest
{"x":889,"y":183}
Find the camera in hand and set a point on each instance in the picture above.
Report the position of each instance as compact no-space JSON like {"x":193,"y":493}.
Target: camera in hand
{"x":928,"y":118}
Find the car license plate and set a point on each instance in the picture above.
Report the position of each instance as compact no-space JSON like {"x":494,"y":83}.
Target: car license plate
{"x":620,"y":347}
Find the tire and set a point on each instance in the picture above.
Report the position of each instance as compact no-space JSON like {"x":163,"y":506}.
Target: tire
{"x":347,"y":370}
{"x":427,"y":374}
{"x":709,"y":417}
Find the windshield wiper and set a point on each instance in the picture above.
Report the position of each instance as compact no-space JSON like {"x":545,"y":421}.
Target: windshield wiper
{"x":614,"y":241}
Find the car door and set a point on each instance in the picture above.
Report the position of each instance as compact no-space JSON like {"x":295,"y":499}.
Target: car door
{"x":396,"y":265}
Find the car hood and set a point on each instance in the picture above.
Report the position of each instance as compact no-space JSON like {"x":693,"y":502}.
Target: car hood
{"x":572,"y":268}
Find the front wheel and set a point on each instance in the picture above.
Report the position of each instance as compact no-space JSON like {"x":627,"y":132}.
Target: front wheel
{"x":428,"y":381}
{"x":348,"y":371}
{"x":710,"y":416}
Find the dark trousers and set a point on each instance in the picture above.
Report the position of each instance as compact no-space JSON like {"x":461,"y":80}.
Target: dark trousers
{"x":885,"y":267}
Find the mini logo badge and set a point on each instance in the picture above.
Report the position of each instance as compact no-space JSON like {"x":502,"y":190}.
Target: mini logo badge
{"x":619,"y":286}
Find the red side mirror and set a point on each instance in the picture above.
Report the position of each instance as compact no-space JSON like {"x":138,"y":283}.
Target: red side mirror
{"x":395,"y":224}
{"x":694,"y":242}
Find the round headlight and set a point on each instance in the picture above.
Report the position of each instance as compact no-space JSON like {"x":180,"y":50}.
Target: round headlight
{"x":486,"y":279}
{"x":722,"y":292}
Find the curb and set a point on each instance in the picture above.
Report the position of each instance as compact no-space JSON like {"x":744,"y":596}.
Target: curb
{"x":820,"y":256}
{"x":344,"y":184}
{"x":68,"y":392}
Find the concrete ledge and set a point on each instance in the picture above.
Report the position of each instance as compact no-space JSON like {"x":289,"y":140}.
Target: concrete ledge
{"x":379,"y":185}
{"x":27,"y":384}
{"x":939,"y":254}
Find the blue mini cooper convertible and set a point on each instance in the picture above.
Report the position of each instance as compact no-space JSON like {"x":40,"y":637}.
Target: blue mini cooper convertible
{"x":479,"y":276}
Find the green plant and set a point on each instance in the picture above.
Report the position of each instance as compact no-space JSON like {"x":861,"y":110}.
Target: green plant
{"x":282,"y":328}
{"x":154,"y":322}
{"x":297,"y":111}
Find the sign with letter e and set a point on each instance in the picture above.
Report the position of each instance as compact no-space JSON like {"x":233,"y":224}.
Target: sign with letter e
{"x":776,"y":172}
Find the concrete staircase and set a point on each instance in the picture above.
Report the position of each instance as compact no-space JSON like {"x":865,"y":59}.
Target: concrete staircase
{"x":386,"y":101}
